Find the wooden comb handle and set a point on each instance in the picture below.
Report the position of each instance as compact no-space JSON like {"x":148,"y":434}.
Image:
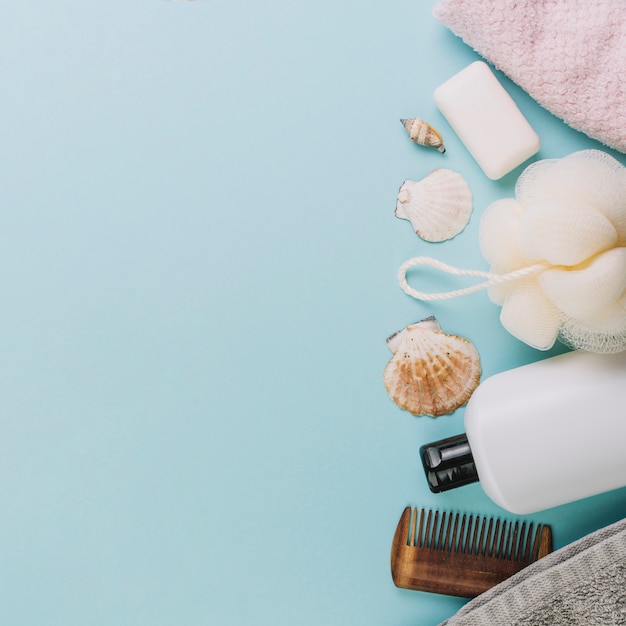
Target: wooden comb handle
{"x":462,"y":555}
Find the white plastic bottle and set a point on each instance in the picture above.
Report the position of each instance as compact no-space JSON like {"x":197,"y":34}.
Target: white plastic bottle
{"x":540,"y":435}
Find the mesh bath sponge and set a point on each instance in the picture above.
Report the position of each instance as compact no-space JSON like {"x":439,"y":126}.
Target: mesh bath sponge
{"x":557,"y":253}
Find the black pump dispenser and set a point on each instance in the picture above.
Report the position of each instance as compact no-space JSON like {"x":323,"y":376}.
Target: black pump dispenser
{"x":448,"y":463}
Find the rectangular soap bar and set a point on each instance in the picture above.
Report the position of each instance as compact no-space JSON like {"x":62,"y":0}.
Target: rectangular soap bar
{"x":486,"y":119}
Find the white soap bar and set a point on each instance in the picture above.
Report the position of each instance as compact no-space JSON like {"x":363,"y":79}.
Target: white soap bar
{"x":486,"y":120}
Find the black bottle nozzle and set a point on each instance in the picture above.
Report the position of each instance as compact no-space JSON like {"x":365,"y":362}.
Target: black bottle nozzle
{"x":448,"y":463}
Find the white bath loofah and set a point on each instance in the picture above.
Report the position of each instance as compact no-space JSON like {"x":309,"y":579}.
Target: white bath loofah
{"x":603,"y":279}
{"x":563,"y":233}
{"x":557,"y":253}
{"x":531,"y":317}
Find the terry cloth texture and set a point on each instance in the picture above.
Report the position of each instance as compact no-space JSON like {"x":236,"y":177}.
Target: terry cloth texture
{"x":569,"y":55}
{"x":583,"y":583}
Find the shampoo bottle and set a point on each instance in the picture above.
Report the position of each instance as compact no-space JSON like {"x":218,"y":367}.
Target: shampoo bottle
{"x":540,"y":435}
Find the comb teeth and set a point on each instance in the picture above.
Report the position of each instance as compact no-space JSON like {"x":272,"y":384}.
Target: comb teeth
{"x":470,"y":534}
{"x":462,"y":555}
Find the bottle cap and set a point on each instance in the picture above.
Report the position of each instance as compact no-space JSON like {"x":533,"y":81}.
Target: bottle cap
{"x":448,"y":463}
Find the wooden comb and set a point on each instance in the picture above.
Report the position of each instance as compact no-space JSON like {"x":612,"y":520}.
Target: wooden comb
{"x":462,"y":555}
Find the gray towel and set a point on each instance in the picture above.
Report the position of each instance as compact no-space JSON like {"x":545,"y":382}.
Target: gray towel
{"x":583,"y":583}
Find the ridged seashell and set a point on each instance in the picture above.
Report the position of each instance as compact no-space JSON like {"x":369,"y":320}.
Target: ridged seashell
{"x":423,"y":133}
{"x":438,"y":206}
{"x":431,"y":373}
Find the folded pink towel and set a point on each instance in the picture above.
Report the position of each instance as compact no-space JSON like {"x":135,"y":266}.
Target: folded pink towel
{"x":569,"y":55}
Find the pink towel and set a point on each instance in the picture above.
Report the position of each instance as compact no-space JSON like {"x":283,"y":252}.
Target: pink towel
{"x":569,"y":55}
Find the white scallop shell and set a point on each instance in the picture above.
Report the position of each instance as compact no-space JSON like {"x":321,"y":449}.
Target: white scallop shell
{"x":438,"y":206}
{"x":430,"y":373}
{"x":423,"y":133}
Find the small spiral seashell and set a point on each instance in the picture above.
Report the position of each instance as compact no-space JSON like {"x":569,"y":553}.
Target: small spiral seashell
{"x":423,"y":133}
{"x":438,"y":206}
{"x":430,"y":373}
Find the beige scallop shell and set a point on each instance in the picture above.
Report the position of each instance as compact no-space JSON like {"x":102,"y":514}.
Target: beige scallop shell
{"x":431,"y":373}
{"x":423,"y":133}
{"x":439,"y":206}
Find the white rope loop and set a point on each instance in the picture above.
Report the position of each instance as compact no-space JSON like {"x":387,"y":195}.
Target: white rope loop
{"x":490,"y":278}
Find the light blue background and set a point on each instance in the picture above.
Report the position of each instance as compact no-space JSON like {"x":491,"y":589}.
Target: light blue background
{"x":199,"y":253}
